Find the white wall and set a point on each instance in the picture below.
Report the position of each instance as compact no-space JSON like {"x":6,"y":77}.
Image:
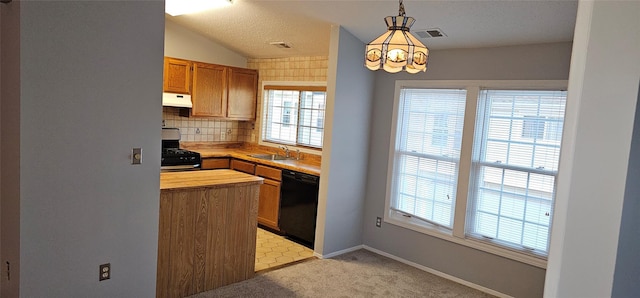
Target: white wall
{"x":543,"y":62}
{"x":91,"y":83}
{"x":10,"y":147}
{"x":346,"y":143}
{"x":603,"y":89}
{"x":181,"y":42}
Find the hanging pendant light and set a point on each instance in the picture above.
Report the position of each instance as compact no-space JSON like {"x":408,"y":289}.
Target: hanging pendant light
{"x":397,"y":49}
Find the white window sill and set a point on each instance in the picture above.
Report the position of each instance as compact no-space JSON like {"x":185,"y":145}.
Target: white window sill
{"x":445,"y":234}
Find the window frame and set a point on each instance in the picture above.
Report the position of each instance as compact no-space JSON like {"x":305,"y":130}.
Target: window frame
{"x":287,"y":85}
{"x":458,"y":233}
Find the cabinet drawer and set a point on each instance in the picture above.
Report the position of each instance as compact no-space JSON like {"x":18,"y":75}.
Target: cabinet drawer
{"x":215,"y":163}
{"x":243,"y":166}
{"x":268,"y":172}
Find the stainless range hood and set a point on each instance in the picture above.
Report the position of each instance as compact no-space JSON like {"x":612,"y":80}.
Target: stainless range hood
{"x":176,"y":100}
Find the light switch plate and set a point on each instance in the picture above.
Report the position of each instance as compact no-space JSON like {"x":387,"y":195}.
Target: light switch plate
{"x":136,"y":156}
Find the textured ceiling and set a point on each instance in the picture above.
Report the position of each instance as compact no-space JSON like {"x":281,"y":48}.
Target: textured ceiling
{"x":248,"y":26}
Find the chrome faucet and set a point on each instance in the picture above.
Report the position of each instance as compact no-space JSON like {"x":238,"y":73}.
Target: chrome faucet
{"x":286,"y":151}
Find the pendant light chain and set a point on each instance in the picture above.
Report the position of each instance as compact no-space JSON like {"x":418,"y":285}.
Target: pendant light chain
{"x":401,"y":10}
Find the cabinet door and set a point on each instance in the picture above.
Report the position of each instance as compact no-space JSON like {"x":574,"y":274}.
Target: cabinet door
{"x":209,"y":90}
{"x":243,"y":86}
{"x":269,"y":203}
{"x":176,"y":75}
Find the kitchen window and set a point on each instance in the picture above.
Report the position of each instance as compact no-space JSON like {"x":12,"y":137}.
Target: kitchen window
{"x":477,"y":165}
{"x":294,"y":115}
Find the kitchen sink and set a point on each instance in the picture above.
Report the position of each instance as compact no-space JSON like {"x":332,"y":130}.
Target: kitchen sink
{"x":271,"y":157}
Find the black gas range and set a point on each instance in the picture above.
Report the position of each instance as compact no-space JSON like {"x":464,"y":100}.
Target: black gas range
{"x":174,"y":158}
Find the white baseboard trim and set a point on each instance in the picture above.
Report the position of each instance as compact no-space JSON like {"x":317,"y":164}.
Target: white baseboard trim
{"x":438,"y":273}
{"x":337,"y":253}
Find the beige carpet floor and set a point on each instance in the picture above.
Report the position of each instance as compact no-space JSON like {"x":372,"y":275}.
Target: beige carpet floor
{"x":356,"y":274}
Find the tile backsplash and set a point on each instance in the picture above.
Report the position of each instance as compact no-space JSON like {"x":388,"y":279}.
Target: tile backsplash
{"x":198,"y":129}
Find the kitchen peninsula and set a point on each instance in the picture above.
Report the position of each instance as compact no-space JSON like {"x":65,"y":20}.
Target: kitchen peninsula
{"x":207,"y":233}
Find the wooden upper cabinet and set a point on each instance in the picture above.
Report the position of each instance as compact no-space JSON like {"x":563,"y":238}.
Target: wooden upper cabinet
{"x":177,"y":75}
{"x":243,"y":86}
{"x":216,"y":90}
{"x":209,"y":95}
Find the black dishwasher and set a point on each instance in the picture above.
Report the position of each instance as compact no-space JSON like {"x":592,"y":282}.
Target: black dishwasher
{"x":299,"y":206}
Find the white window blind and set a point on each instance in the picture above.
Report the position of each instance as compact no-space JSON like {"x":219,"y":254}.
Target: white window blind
{"x":427,"y":153}
{"x":311,"y":125}
{"x":294,"y":115}
{"x":514,"y":169}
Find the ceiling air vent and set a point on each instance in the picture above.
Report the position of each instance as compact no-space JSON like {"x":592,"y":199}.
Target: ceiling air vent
{"x":280,"y":44}
{"x":429,"y":33}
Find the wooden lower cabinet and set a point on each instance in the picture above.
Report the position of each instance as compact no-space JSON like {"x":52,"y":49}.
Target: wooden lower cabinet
{"x":207,"y":238}
{"x":269,"y":206}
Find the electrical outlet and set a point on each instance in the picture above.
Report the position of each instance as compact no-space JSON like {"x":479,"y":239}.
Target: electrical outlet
{"x":378,"y":222}
{"x":223,"y":135}
{"x":105,"y":271}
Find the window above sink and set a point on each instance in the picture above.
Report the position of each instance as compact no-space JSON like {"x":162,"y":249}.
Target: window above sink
{"x":293,"y":114}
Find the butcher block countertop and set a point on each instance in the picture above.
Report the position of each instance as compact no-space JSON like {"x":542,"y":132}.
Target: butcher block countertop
{"x":210,"y":179}
{"x":304,"y":166}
